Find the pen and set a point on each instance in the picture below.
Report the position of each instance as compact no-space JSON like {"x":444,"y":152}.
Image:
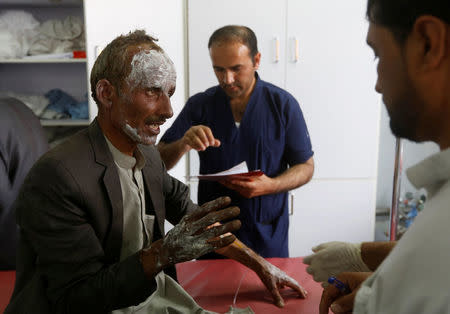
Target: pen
{"x":339,"y":284}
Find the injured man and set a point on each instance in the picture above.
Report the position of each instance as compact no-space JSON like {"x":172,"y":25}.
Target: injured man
{"x":91,"y":211}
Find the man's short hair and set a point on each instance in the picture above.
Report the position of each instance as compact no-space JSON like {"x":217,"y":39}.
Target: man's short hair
{"x":399,"y":16}
{"x":114,"y":62}
{"x":235,"y":33}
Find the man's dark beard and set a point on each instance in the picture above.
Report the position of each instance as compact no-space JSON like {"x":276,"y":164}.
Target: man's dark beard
{"x":405,"y":117}
{"x":406,"y":111}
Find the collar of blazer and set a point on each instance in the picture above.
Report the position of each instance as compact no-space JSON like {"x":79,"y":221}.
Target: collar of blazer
{"x":111,"y":180}
{"x":152,"y":174}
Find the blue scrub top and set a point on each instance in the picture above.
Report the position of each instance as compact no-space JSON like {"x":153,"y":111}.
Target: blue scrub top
{"x":271,"y":136}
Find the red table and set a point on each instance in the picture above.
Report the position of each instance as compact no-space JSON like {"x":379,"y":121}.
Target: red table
{"x":7,"y":279}
{"x":214,"y":284}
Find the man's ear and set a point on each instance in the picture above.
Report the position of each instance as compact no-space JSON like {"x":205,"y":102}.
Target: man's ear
{"x":257,"y":60}
{"x":431,"y":39}
{"x":105,"y":92}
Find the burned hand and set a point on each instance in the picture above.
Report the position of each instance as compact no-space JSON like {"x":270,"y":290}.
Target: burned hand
{"x":192,"y":238}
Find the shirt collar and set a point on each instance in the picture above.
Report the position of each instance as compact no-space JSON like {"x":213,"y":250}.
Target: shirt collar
{"x":258,"y":80}
{"x":432,"y":171}
{"x":125,"y":161}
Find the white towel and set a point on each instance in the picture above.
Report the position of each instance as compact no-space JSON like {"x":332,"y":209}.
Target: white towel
{"x":57,"y":36}
{"x":18,"y":30}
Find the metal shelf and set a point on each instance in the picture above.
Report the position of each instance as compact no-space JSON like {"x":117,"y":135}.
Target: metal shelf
{"x":42,"y":3}
{"x":31,"y":60}
{"x":65,"y":122}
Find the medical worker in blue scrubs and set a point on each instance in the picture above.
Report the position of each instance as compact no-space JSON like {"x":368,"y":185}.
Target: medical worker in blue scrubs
{"x":245,"y":119}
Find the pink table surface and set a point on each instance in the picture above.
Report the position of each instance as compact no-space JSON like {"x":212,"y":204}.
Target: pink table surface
{"x":7,"y":279}
{"x":213,"y":285}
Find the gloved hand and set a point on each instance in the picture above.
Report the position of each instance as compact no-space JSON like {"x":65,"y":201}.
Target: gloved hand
{"x":331,"y":258}
{"x":191,"y":237}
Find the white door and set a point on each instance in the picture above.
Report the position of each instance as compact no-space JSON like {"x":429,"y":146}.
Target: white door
{"x":332,"y":74}
{"x":333,"y":80}
{"x":331,"y":210}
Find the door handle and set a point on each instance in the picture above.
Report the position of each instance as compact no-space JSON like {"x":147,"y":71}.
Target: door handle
{"x":296,"y":50}
{"x":277,"y":50}
{"x":98,"y":50}
{"x":291,"y":205}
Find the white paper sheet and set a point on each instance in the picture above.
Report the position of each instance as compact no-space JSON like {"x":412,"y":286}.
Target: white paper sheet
{"x":238,"y":170}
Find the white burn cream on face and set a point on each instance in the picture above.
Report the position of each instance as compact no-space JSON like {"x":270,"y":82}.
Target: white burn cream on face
{"x":152,"y":69}
{"x":133,"y":133}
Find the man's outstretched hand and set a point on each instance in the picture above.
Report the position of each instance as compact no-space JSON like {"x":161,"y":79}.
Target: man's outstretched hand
{"x":275,"y":279}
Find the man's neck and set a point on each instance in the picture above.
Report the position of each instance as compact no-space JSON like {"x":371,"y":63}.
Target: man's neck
{"x":444,"y":140}
{"x":238,"y":104}
{"x":118,"y":139}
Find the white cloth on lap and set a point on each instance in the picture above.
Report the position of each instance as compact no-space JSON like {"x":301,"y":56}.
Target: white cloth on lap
{"x":171,"y":298}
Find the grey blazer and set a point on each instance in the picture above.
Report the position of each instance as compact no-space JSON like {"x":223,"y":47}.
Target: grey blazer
{"x":70,"y":212}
